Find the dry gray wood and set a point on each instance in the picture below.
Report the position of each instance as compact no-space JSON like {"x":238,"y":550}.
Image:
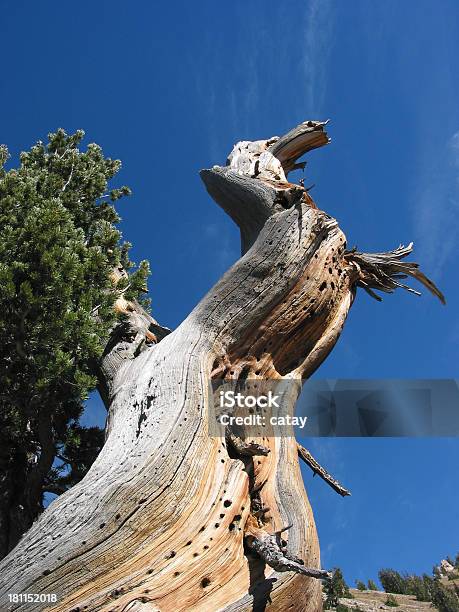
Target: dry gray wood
{"x":268,"y":549}
{"x":315,"y":466}
{"x":383,"y":271}
{"x":243,"y":448}
{"x":159,"y":521}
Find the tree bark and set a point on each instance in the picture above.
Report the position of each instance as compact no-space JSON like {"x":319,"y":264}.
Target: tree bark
{"x":170,"y":518}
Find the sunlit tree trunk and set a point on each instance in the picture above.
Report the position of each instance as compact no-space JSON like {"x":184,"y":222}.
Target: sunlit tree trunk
{"x":170,"y":518}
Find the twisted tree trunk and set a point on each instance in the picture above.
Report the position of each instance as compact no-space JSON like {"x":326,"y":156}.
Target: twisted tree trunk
{"x":170,"y":518}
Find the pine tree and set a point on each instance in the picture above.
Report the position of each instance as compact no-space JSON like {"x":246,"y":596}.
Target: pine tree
{"x":335,"y":588}
{"x":443,"y":598}
{"x":372,"y":586}
{"x":59,"y":246}
{"x":392,"y":581}
{"x":420,"y":586}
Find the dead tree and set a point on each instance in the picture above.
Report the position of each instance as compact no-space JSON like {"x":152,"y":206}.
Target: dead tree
{"x":170,"y":518}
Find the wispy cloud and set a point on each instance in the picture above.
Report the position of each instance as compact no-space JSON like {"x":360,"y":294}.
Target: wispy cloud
{"x":274,"y":75}
{"x":318,"y":26}
{"x":436,"y":208}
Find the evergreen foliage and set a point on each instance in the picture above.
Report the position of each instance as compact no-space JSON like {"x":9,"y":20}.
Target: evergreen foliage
{"x":443,"y":598}
{"x":335,"y":588}
{"x":392,"y":581}
{"x":391,"y":601}
{"x":372,"y":586}
{"x":58,"y":247}
{"x":421,"y":587}
{"x":424,"y":588}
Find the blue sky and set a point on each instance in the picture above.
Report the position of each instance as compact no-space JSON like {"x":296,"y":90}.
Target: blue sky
{"x":170,"y":87}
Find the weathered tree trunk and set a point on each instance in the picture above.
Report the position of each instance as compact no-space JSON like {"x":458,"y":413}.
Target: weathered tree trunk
{"x":165,"y":519}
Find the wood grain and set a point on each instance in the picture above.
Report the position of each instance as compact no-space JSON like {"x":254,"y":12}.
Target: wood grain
{"x":159,"y":521}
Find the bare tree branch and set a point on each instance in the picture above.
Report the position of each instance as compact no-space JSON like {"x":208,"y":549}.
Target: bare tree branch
{"x":322,"y":472}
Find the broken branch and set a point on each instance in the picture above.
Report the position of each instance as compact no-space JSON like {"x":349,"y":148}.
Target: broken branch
{"x":266,"y":547}
{"x":246,"y":449}
{"x":322,"y":472}
{"x":381,"y":270}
